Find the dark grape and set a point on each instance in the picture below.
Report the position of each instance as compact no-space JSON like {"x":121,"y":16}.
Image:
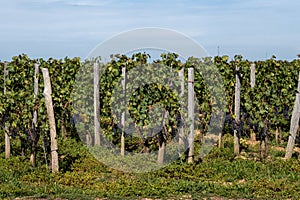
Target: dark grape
{"x":179,"y":121}
{"x":276,"y":111}
{"x":14,"y":133}
{"x":286,"y":112}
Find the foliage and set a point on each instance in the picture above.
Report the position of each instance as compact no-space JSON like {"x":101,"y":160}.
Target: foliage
{"x":219,"y":174}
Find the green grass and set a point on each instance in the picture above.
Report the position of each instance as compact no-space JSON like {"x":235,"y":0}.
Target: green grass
{"x":219,"y":174}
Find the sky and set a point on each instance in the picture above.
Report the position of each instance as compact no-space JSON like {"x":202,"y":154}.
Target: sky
{"x":256,"y":29}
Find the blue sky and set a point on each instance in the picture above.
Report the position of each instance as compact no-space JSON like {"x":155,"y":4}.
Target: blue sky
{"x":256,"y":29}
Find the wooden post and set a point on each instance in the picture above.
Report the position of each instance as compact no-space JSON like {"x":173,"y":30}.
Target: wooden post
{"x":252,"y":83}
{"x":6,"y":130}
{"x":162,"y":141}
{"x":123,"y":117}
{"x":63,"y":128}
{"x":88,"y":137}
{"x":237,"y":110}
{"x":191,"y":107}
{"x":220,"y":144}
{"x":252,"y":75}
{"x":50,"y":112}
{"x":35,"y":116}
{"x":294,"y":124}
{"x":181,"y":129}
{"x":280,"y":135}
{"x":63,"y":122}
{"x":264,"y":150}
{"x":161,"y":150}
{"x":96,"y":105}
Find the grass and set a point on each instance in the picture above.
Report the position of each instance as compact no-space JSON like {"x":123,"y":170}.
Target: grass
{"x":220,"y":174}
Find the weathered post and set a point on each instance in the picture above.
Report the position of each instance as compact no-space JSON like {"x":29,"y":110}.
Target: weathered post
{"x":6,"y":130}
{"x":96,"y":105}
{"x":191,"y":107}
{"x":35,"y":116}
{"x":162,"y":141}
{"x":50,"y":112}
{"x":237,"y":110}
{"x":252,"y":75}
{"x":181,"y":139}
{"x":294,"y":124}
{"x":123,"y":117}
{"x":252,"y":83}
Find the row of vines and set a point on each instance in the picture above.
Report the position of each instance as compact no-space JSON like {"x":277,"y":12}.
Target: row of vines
{"x":19,"y":103}
{"x":266,"y":108}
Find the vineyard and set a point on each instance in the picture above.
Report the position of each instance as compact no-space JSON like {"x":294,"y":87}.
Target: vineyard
{"x":257,"y":122}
